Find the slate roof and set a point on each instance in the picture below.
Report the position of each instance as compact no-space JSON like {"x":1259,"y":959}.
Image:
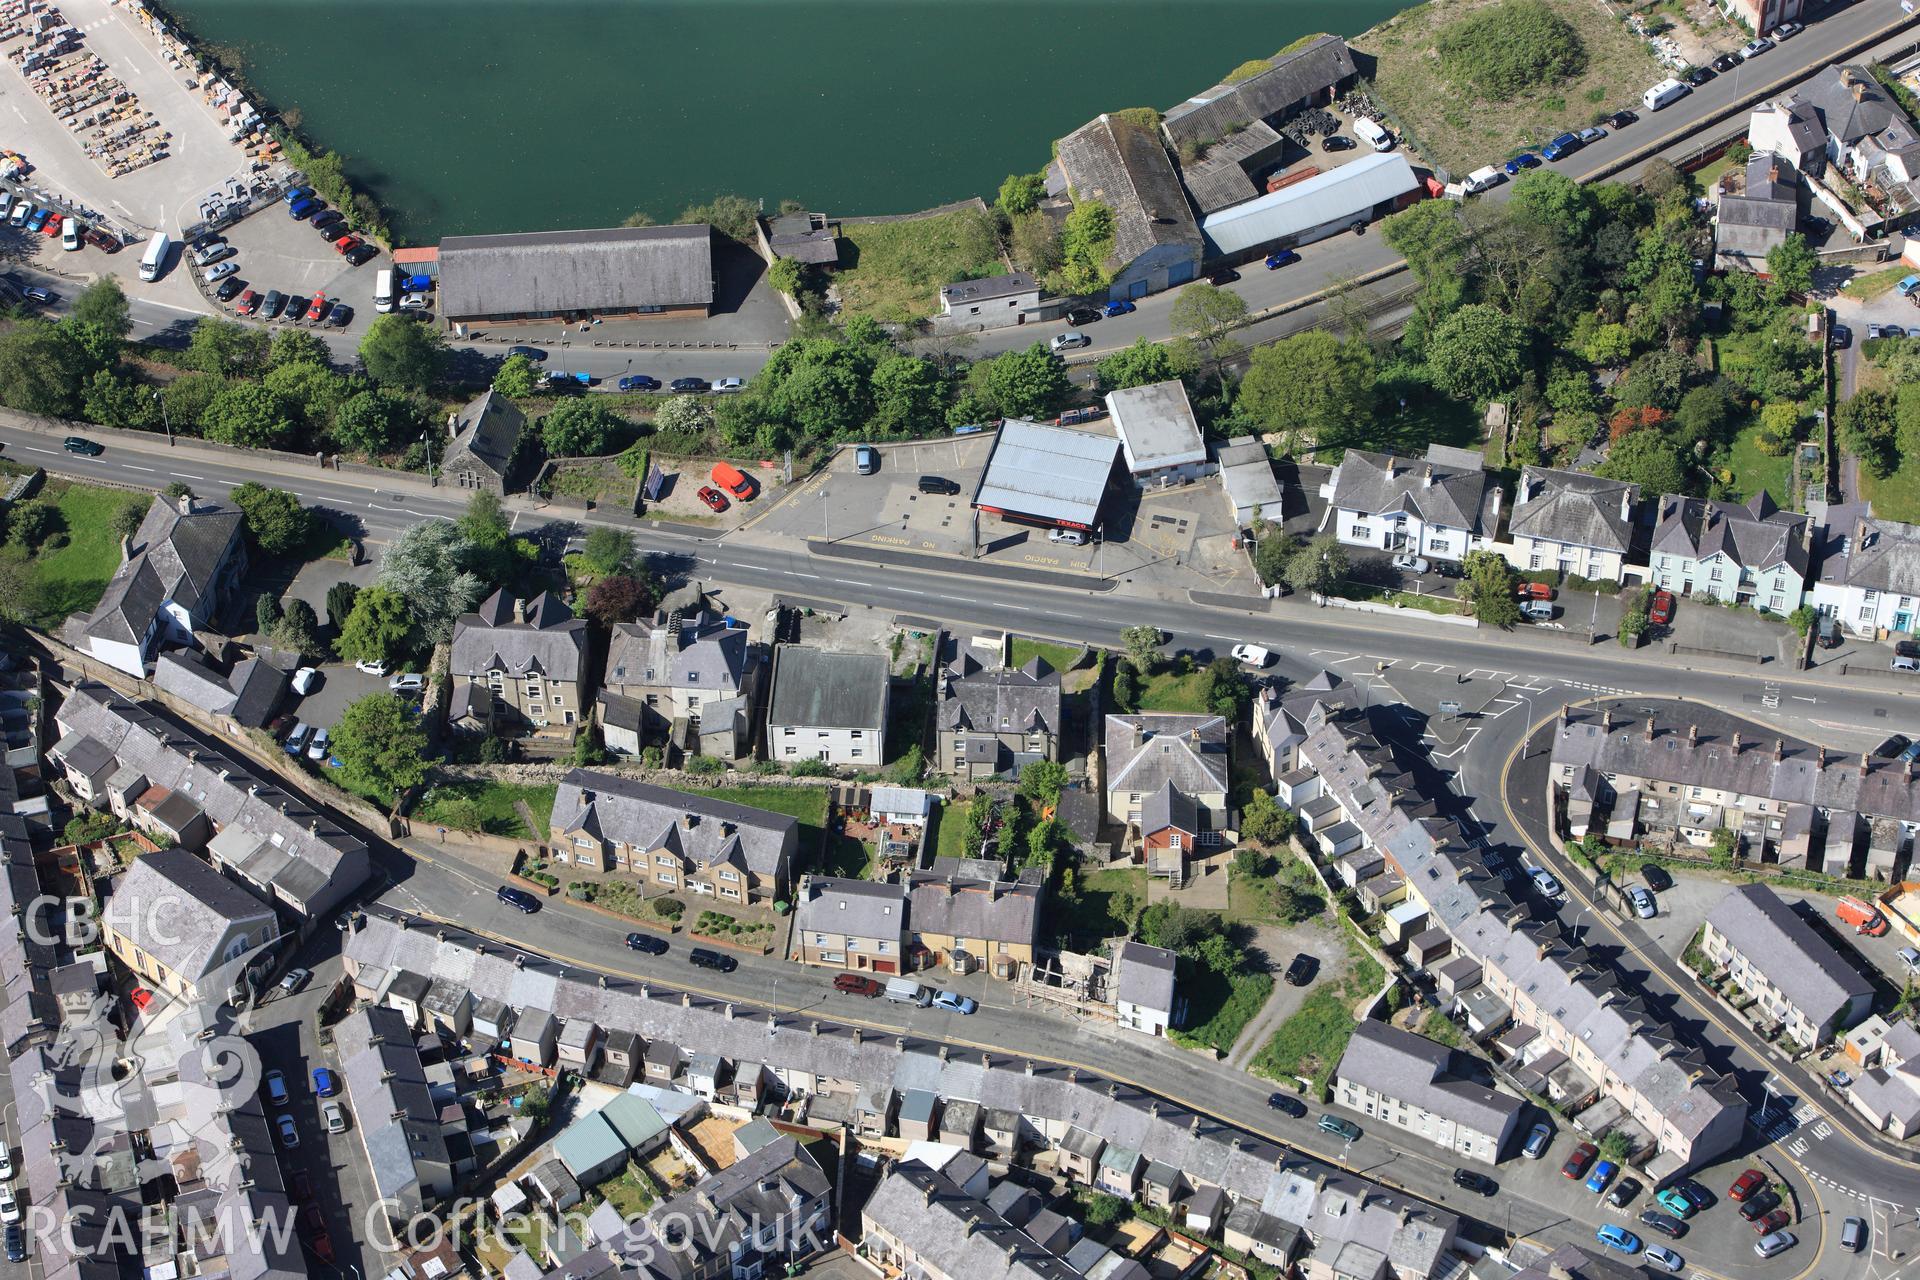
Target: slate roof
{"x":752,"y":1195}
{"x":487,"y":431}
{"x":1755,"y":534}
{"x":804,"y":237}
{"x":860,"y":908}
{"x":1001,"y":700}
{"x":1436,"y":492}
{"x":1145,"y":975}
{"x":1156,"y":425}
{"x":1806,"y":968}
{"x":1126,"y":167}
{"x":956,"y":1234}
{"x":1290,"y":78}
{"x":1420,"y":1072}
{"x":1874,"y":555}
{"x":1149,"y":750}
{"x":821,"y":689}
{"x":249,"y":693}
{"x":987,"y":288}
{"x":1220,"y":177}
{"x":178,"y":910}
{"x":1572,"y":507}
{"x":542,"y":637}
{"x":1801,"y":122}
{"x":173,"y":556}
{"x":704,"y":652}
{"x":1168,"y":807}
{"x":994,"y":910}
{"x":1053,"y":473}
{"x":611,"y":269}
{"x":1852,"y":106}
{"x":386,"y":1091}
{"x":647,"y":817}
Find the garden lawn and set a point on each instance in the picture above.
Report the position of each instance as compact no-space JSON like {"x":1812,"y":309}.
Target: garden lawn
{"x":460,"y":802}
{"x":949,"y":830}
{"x":1872,"y":284}
{"x":1754,"y":470}
{"x":894,"y":270}
{"x":1219,"y":1007}
{"x":1100,"y":907}
{"x":839,"y":855}
{"x":1170,"y":691}
{"x":1898,"y":496}
{"x":630,"y":1193}
{"x":73,"y":577}
{"x":1456,"y":128}
{"x":1058,"y":656}
{"x":1311,"y":1041}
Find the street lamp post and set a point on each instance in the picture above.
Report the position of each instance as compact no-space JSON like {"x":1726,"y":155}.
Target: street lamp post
{"x":165,"y":421}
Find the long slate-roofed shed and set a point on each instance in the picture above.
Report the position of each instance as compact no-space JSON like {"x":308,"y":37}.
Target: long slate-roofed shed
{"x":554,"y":275}
{"x":1046,"y":474}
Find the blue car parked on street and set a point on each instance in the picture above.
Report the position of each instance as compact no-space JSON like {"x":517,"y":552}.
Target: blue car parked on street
{"x":1525,"y":160}
{"x":1284,"y":258}
{"x":1119,"y":307}
{"x":1618,"y":1238}
{"x":1561,"y":147}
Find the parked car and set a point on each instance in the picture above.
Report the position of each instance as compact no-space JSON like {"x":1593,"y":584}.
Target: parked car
{"x":1842,"y":337}
{"x":1623,"y":1193}
{"x":360,"y":253}
{"x":715,"y":500}
{"x":317,"y":749}
{"x":1759,"y":1204}
{"x":325,"y":220}
{"x":1746,"y":1184}
{"x":1301,"y":971}
{"x":407,"y":682}
{"x":305,"y":680}
{"x":1543,"y":881}
{"x":415,"y":301}
{"x":301,"y":210}
{"x":40,"y":294}
{"x":221,"y":271}
{"x":294,"y":195}
{"x":377,"y":667}
{"x":732,"y":479}
{"x":1660,"y":608}
{"x":1666,"y":1224}
{"x":1662,"y":1257}
{"x":1561,"y":147}
{"x":51,"y":227}
{"x":1615,"y":1237}
{"x":647,"y":944}
{"x":1726,"y":62}
{"x":6,"y":1163}
{"x":1120,"y":307}
{"x":289,"y":1135}
{"x":1754,"y":48}
{"x":856,"y":984}
{"x":1698,"y":76}
{"x":684,"y":386}
{"x":534,"y":354}
{"x":704,"y":958}
{"x":1853,"y":1235}
{"x":1538,"y":1139}
{"x":38,"y":219}
{"x":1787,"y":30}
{"x":1532,"y":591}
{"x":1282,"y":258}
{"x":1346,"y":1130}
{"x":297,"y":740}
{"x":1521,"y":163}
{"x":1083,"y":315}
{"x":340,"y":315}
{"x":275,"y":303}
{"x":1337,"y":142}
{"x":1892,"y":331}
{"x":1536,"y":610}
{"x":1621,"y":119}
{"x":70,"y":236}
{"x":1602,"y":1174}
{"x":938,"y":485}
{"x":104,"y":241}
{"x":1070,"y":537}
{"x":1774,"y":1245}
{"x":1224,"y":276}
{"x":1698,"y":1196}
{"x":16,"y":1243}
{"x":866,"y":459}
{"x":333,"y":1117}
{"x":215,"y":252}
{"x":1576,"y":1165}
{"x":9,"y":1206}
{"x":325,"y":1082}
{"x":1656,"y":877}
{"x":1286,"y":1104}
{"x":1476,"y":1182}
{"x":954,"y":1002}
{"x":1774,"y":1220}
{"x":1412,"y":564}
{"x":275,"y":1083}
{"x":639,"y":382}
{"x":1071,"y":340}
{"x":1643,"y":904}
{"x":1590,"y":135}
{"x":295,"y":979}
{"x":249,"y":302}
{"x":83,"y":446}
{"x":518,"y":899}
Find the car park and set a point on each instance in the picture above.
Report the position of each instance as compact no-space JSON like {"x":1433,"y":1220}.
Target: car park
{"x":1083,"y":315}
{"x":1476,"y":1182}
{"x":954,"y":1002}
{"x":1521,"y":163}
{"x":1301,"y":971}
{"x":687,"y":386}
{"x":1601,"y":1175}
{"x":1286,"y":1104}
{"x":1071,"y":340}
{"x":1662,"y":1257}
{"x":866,"y":459}
{"x":325,"y":1082}
{"x":1853,"y":1235}
{"x":1282,"y":258}
{"x":1746,"y":1184}
{"x":716,"y":501}
{"x":275,"y":1083}
{"x":1643,"y":903}
{"x":333,"y":1117}
{"x":938,"y":485}
{"x":1538,"y":1139}
{"x":1339,"y":1128}
{"x":1412,"y":564}
{"x":84,"y":446}
{"x":221,"y":271}
{"x":639,"y":382}
{"x":289,"y":1135}
{"x":1770,"y":1246}
{"x":1615,"y":1237}
{"x":1576,"y":1165}
{"x":1561,"y":147}
{"x":647,"y":944}
{"x":1119,"y":307}
{"x":1623,"y":1193}
{"x":295,"y":979}
{"x":518,"y":899}
{"x":706,"y":958}
{"x":856,"y":984}
{"x":1665,"y":1223}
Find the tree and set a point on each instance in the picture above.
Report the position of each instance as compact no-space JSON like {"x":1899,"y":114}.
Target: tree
{"x":314,"y":391}
{"x":340,"y":601}
{"x":517,"y":378}
{"x":908,"y":394}
{"x":1042,"y":781}
{"x":1779,"y":423}
{"x":1142,"y":647}
{"x":275,"y":518}
{"x":587,"y":746}
{"x":1206,"y":315}
{"x":1044,"y":839}
{"x":1489,"y":589}
{"x":730,"y":215}
{"x":33,"y":524}
{"x":382,"y":747}
{"x":1658,"y":379}
{"x":398,"y":350}
{"x":1791,"y":264}
{"x":251,"y":415}
{"x":1703,"y":413}
{"x":909,"y":768}
{"x":376,"y":420}
{"x":266,"y":612}
{"x":484,"y":523}
{"x":1103,"y":1210}
{"x":1311,"y":383}
{"x":298,"y":630}
{"x":1610,"y":344}
{"x":607,"y":550}
{"x":582,"y":429}
{"x":1627,"y":420}
{"x":1086,"y":246}
{"x":1034,"y":241}
{"x":41,"y":368}
{"x":1272,"y":549}
{"x":620,"y":598}
{"x":1142,"y":363}
{"x":228,"y":348}
{"x":1556,"y":204}
{"x":1866,"y":426}
{"x":1477,"y":352}
{"x":431,"y":566}
{"x":1264,"y":822}
{"x":378,"y":627}
{"x":1021,"y":193}
{"x":787,"y":276}
{"x":114,"y":400}
{"x":1432,"y":237}
{"x":1648,"y":459}
{"x":1126,"y":689}
{"x":187,"y":398}
{"x":1503,"y":49}
{"x":127,"y":520}
{"x":299,"y":346}
{"x":1028,"y":384}
{"x":688,"y":414}
{"x":99,"y":321}
{"x":1225,"y":690}
{"x":1318,"y":567}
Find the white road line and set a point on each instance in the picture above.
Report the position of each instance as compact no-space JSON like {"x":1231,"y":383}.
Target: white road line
{"x":908,"y":591}
{"x":797,"y":574}
{"x":52,"y":453}
{"x":181,"y":475}
{"x":130,"y":467}
{"x":1209,"y":635}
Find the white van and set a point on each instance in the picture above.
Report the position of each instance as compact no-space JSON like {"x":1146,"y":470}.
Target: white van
{"x":1482,"y":180}
{"x":383,"y":290}
{"x":907,"y":991}
{"x":154,"y":261}
{"x":1665,"y":93}
{"x":1370,"y":132}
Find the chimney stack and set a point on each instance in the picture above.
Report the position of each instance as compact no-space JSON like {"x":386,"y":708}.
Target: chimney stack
{"x":185,"y":503}
{"x":1820,"y":761}
{"x":1649,"y":728}
{"x":1426,"y":477}
{"x":1693,"y":735}
{"x":1606,"y":720}
{"x":1866,"y":764}
{"x":1736,"y":744}
{"x":1779,"y":750}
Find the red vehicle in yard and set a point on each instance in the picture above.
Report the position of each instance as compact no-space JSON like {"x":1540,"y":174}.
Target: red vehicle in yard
{"x":713,"y":497}
{"x":1773,"y":1221}
{"x":317,"y":308}
{"x":730,"y":478}
{"x":346,"y":244}
{"x":1576,"y":1165}
{"x":249,"y":302}
{"x":1746,"y":1184}
{"x":1532,"y":591}
{"x":52,"y":229}
{"x":1660,"y":608}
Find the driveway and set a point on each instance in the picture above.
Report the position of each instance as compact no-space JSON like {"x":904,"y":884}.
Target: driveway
{"x":1280,"y":943}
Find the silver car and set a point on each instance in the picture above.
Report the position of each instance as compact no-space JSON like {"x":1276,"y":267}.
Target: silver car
{"x":1643,"y":905}
{"x":1071,"y":340}
{"x":1411,"y":564}
{"x":1538,"y":1139}
{"x":1775,"y":1243}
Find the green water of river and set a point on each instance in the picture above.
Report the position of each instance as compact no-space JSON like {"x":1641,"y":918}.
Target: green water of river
{"x":499,"y":115}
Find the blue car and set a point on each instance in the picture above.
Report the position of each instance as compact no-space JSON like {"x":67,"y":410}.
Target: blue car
{"x":38,"y":220}
{"x":416,"y":284}
{"x":1618,"y":1238}
{"x":1524,"y":161}
{"x":1119,"y":307}
{"x":556,"y":378}
{"x":1602,"y":1174}
{"x":296,"y":195}
{"x":304,"y":209}
{"x":1561,"y":147}
{"x":639,"y":382}
{"x":1284,"y":258}
{"x":325,"y":1083}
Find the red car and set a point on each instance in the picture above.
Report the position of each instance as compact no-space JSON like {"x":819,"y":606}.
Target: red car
{"x":317,"y":308}
{"x":1746,"y":1184}
{"x":1773,"y":1221}
{"x":52,"y":228}
{"x":855,"y":984}
{"x":1532,"y":591}
{"x":1660,"y":608}
{"x":321,"y":1244}
{"x":249,"y":302}
{"x":346,"y":244}
{"x":713,"y":497}
{"x":141,"y":997}
{"x":1576,"y":1165}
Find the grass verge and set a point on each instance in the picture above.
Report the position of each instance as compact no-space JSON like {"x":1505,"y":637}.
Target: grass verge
{"x":1219,"y":1007}
{"x":894,"y":270}
{"x":1872,"y":284}
{"x":70,"y":579}
{"x":486,"y":804}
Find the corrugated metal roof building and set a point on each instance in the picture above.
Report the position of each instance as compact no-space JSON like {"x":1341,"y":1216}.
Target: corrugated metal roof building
{"x":1310,"y":210}
{"x":1047,"y":475}
{"x":556,"y":275}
